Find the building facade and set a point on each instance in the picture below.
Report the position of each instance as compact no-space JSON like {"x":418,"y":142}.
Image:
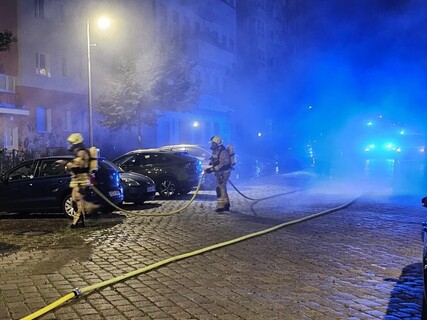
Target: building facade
{"x":46,"y":98}
{"x":236,"y":45}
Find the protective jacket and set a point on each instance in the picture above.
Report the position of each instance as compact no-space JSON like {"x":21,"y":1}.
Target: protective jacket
{"x":79,"y":168}
{"x":220,"y":159}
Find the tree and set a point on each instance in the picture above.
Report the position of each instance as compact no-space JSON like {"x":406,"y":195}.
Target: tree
{"x":6,"y":40}
{"x":160,"y":79}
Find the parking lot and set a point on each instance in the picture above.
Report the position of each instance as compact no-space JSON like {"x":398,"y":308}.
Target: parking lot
{"x":360,"y":262}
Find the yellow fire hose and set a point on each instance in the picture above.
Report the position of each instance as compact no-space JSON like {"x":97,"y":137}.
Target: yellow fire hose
{"x":99,"y":193}
{"x":78,"y":292}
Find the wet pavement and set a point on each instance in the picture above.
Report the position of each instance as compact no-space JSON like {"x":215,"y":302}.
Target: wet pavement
{"x":360,"y":262}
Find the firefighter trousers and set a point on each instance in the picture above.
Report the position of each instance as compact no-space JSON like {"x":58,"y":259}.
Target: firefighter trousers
{"x":223,"y":201}
{"x":77,"y":195}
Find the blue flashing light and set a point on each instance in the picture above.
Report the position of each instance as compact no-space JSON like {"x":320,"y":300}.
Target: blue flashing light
{"x":389,"y":146}
{"x":402,"y":132}
{"x":370,"y":147}
{"x":259,"y":134}
{"x":196,"y":124}
{"x":369,"y":124}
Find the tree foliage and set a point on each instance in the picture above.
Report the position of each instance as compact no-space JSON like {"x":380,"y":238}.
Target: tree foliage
{"x":6,"y":40}
{"x":158,"y":80}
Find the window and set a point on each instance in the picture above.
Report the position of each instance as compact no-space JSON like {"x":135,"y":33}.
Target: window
{"x":7,"y":83}
{"x":186,"y":25}
{"x":175,"y":17}
{"x":196,"y":27}
{"x":130,"y":161}
{"x":39,"y":9}
{"x":62,"y":13}
{"x":64,"y":67}
{"x":231,"y":44}
{"x":261,"y":57}
{"x":163,"y":12}
{"x":23,"y":172}
{"x":67,"y":120}
{"x":82,"y":69}
{"x":43,"y":64}
{"x":51,"y":168}
{"x":44,"y":119}
{"x":259,"y":25}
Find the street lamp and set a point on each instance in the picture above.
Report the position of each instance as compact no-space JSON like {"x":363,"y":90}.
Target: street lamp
{"x":103,"y":23}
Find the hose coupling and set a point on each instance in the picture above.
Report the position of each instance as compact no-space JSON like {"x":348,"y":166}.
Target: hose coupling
{"x":77,"y":292}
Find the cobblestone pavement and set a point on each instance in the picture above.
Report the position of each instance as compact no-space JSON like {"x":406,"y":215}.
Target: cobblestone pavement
{"x":361,"y":262}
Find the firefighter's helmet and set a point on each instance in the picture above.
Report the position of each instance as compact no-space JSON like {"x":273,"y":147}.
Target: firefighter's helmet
{"x":75,"y":138}
{"x":217,"y":140}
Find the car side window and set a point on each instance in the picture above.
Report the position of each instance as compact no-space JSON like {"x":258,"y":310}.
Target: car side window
{"x":153,"y":158}
{"x":50,"y":168}
{"x":23,"y":172}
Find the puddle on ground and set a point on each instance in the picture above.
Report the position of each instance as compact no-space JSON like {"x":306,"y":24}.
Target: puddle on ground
{"x":7,"y":249}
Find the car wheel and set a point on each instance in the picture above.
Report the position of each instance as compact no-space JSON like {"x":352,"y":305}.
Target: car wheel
{"x":167,"y":188}
{"x":68,"y":207}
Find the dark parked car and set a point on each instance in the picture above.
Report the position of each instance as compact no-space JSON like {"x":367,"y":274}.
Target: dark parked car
{"x":43,"y":185}
{"x":200,"y":153}
{"x":173,"y":172}
{"x":137,"y":188}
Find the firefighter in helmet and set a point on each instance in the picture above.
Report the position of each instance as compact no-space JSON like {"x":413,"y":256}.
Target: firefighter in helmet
{"x":80,"y":179}
{"x":221,"y":166}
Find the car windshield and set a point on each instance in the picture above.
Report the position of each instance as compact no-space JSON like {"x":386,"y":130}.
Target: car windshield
{"x":113,"y":166}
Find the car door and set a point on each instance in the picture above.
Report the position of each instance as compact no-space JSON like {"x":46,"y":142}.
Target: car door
{"x":153,"y":164}
{"x":16,"y":187}
{"x":50,"y":184}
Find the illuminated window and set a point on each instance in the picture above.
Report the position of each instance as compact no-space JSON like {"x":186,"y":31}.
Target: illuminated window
{"x":43,"y":64}
{"x":44,"y":119}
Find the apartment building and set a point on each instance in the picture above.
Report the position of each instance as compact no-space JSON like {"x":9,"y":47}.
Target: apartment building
{"x":44,"y":99}
{"x":209,"y":28}
{"x":236,"y":45}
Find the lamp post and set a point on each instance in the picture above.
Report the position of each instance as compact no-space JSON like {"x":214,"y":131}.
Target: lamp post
{"x":103,"y":23}
{"x":89,"y":85}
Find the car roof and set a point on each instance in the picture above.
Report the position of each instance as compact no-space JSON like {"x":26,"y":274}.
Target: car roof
{"x":149,"y":150}
{"x":59,"y":157}
{"x":195,"y":146}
